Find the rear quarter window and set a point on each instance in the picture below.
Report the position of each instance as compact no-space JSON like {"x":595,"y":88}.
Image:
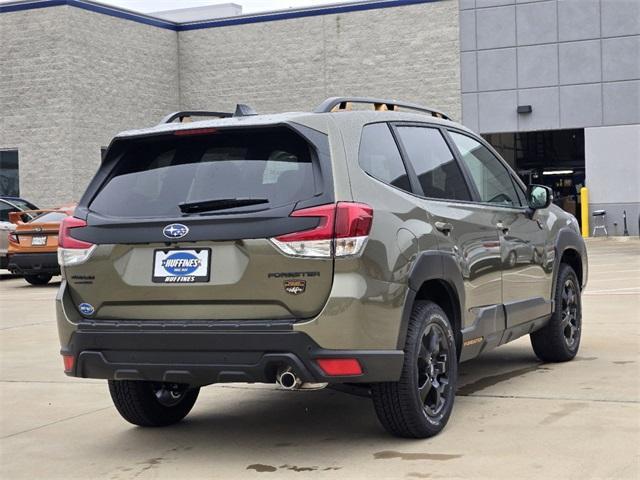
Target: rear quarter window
{"x":153,"y":176}
{"x":380,"y":158}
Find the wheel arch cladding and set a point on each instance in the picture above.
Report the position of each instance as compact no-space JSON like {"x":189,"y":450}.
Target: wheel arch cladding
{"x":570,"y":249}
{"x":435,"y":276}
{"x":572,"y":258}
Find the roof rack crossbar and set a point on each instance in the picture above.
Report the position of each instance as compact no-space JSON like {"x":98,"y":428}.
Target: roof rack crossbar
{"x":193,"y":113}
{"x":341,"y":102}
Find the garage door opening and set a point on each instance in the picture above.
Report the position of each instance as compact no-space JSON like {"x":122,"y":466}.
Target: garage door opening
{"x":552,"y":157}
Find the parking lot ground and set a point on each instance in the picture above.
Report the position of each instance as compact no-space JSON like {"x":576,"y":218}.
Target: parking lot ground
{"x":514,"y":416}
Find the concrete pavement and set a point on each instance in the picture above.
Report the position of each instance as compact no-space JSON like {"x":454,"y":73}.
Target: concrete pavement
{"x":514,"y":416}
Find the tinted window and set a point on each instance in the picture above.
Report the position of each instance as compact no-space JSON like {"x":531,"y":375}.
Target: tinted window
{"x":154,"y":175}
{"x":23,"y":205}
{"x":4,"y":211}
{"x":490,"y":176}
{"x":9,"y":173}
{"x":522,"y":196}
{"x":434,"y":164}
{"x":380,"y":158}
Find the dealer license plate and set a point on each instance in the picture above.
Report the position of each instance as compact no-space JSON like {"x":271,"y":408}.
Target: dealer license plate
{"x":181,"y":265}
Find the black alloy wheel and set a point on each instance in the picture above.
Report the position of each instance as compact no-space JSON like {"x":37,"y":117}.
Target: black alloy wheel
{"x":433,"y":367}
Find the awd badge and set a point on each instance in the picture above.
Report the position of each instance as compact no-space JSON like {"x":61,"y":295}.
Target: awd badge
{"x":295,"y":287}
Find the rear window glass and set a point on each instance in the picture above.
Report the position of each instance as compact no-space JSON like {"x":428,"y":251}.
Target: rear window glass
{"x":154,"y":176}
{"x":49,"y":217}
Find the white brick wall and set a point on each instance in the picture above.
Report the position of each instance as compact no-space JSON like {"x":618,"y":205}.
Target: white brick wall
{"x":122,"y":75}
{"x":408,"y":52}
{"x":70,"y":79}
{"x":35,"y":111}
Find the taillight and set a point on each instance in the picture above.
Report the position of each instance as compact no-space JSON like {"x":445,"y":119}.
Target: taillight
{"x":343,"y":231}
{"x":70,"y":250}
{"x":13,"y":238}
{"x":65,"y":240}
{"x":353,"y":224}
{"x":69,"y":362}
{"x":338,"y":367}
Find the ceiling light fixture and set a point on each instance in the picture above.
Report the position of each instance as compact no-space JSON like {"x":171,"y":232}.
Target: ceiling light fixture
{"x":557,"y":172}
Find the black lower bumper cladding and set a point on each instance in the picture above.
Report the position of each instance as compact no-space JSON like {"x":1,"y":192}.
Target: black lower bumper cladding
{"x":34,"y":263}
{"x":196,"y":355}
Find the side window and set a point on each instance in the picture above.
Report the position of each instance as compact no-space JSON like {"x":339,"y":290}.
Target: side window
{"x":522,"y":196}
{"x":434,"y":164}
{"x":4,"y":212}
{"x":490,"y":176}
{"x":380,"y":158}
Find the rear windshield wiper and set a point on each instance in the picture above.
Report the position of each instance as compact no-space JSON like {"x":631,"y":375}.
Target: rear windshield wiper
{"x":219,"y":204}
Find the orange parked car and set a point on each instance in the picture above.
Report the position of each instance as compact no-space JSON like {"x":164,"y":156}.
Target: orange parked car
{"x":33,"y":245}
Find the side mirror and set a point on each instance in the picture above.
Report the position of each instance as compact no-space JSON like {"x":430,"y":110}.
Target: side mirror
{"x":539,"y":197}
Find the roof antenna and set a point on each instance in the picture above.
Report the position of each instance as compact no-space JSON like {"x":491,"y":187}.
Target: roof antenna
{"x":243,"y":110}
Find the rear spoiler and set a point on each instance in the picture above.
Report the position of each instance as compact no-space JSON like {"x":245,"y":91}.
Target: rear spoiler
{"x":16,"y":217}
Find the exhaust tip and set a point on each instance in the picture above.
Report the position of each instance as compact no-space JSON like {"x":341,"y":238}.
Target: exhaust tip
{"x":288,"y":380}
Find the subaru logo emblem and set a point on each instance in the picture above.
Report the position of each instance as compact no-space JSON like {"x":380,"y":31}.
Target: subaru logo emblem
{"x":86,"y":309}
{"x":175,"y":230}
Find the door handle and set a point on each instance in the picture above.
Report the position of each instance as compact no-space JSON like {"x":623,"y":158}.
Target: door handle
{"x":502,"y":227}
{"x":444,"y":227}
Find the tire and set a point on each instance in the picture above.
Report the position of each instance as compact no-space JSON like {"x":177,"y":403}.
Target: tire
{"x":151,"y":404}
{"x":38,"y":279}
{"x":403,"y":407}
{"x":559,"y":340}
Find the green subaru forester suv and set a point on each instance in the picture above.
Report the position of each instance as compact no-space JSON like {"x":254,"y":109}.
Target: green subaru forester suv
{"x":370,"y":245}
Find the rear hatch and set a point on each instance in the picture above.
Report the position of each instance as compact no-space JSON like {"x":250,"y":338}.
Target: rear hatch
{"x":182,"y":221}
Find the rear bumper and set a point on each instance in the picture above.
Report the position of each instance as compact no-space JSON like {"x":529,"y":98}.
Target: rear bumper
{"x":34,"y":263}
{"x":202,"y":354}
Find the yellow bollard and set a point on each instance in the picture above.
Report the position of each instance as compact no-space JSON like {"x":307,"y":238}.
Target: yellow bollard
{"x":584,"y":210}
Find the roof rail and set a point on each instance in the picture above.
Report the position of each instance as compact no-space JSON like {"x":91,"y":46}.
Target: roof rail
{"x":330,"y":104}
{"x":193,"y":113}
